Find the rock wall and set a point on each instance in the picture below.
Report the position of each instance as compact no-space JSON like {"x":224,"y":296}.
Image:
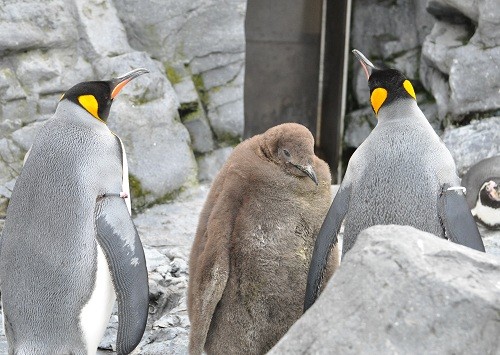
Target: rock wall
{"x":172,"y":120}
{"x":450,"y":50}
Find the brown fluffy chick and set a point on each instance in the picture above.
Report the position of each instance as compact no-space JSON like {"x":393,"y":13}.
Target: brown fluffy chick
{"x":251,"y":254}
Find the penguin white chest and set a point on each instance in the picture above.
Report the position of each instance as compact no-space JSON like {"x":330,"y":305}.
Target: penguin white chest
{"x":95,"y":315}
{"x":486,"y":214}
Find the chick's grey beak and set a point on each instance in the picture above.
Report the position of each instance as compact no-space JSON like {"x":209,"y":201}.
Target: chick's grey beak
{"x":309,"y":171}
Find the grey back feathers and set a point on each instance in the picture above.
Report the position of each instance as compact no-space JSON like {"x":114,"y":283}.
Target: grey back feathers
{"x":401,"y":174}
{"x":253,"y":245}
{"x":396,"y":171}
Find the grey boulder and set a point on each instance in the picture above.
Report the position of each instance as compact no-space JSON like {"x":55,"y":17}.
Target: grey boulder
{"x":401,"y":290}
{"x":472,"y":143}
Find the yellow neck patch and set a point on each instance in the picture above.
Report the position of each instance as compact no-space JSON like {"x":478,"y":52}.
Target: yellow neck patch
{"x":409,"y":88}
{"x":378,"y":98}
{"x":89,"y":103}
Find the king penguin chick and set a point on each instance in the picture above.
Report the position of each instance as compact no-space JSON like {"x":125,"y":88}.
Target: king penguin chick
{"x":249,"y":261}
{"x":483,"y":192}
{"x":69,"y":246}
{"x":401,"y":174}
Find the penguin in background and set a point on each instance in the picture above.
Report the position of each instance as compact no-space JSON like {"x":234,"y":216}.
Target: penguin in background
{"x":483,"y":191}
{"x":69,"y":247}
{"x":253,"y":245}
{"x":401,"y":174}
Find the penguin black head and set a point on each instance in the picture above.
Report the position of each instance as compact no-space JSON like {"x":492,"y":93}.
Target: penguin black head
{"x":96,"y":97}
{"x":386,"y":85}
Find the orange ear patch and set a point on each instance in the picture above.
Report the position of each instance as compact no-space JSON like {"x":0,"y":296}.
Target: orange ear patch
{"x":90,"y":104}
{"x":409,"y":88}
{"x":378,"y":97}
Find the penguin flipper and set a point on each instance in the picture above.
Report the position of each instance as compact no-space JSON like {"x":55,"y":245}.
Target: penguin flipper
{"x":210,"y":284}
{"x":122,"y":247}
{"x":325,"y":241}
{"x":457,"y":220}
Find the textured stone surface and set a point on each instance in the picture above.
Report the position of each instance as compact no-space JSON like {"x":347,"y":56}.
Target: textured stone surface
{"x":29,"y":24}
{"x":359,"y":124}
{"x":401,"y":290}
{"x":103,"y":38}
{"x":207,"y":36}
{"x":473,"y":143}
{"x":461,"y":57}
{"x":193,"y":116}
{"x":210,"y":164}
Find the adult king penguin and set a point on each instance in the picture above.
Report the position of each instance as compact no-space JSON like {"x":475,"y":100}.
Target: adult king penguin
{"x":249,"y":261}
{"x":483,"y":191}
{"x":401,"y":174}
{"x":69,"y":246}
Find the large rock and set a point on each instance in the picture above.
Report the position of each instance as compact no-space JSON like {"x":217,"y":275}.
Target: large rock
{"x":28,"y":24}
{"x":461,"y":57}
{"x":101,"y":38}
{"x":400,"y":290}
{"x":207,"y":36}
{"x":472,"y":143}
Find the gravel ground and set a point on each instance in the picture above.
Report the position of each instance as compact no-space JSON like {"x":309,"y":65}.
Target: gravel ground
{"x":167,"y":232}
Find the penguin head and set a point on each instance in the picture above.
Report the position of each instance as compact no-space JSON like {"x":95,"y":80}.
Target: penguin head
{"x":96,"y":97}
{"x":386,"y":85}
{"x":489,"y":194}
{"x":291,"y":147}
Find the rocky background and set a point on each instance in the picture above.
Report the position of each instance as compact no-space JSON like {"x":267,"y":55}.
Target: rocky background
{"x":179,"y":122}
{"x":175,"y":122}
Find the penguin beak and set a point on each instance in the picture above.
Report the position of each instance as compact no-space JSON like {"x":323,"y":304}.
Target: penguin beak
{"x":309,"y":171}
{"x":118,"y":83}
{"x":365,"y":63}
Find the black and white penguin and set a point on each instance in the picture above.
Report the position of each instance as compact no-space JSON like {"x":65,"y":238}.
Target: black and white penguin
{"x":69,"y":246}
{"x":482,"y":183}
{"x":401,"y":174}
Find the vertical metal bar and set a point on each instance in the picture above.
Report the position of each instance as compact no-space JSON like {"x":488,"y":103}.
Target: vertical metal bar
{"x":337,"y":24}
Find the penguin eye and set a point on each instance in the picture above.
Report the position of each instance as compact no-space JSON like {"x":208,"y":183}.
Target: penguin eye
{"x":286,"y":152}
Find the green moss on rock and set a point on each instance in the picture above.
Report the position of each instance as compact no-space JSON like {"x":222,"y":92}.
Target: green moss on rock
{"x":200,"y":88}
{"x":172,"y":75}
